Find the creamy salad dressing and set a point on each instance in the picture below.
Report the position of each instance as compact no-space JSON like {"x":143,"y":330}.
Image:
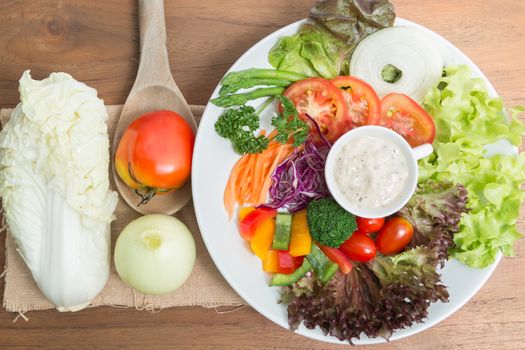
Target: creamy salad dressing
{"x":370,"y":172}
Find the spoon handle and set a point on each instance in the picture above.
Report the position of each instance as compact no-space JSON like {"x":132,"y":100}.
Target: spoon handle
{"x":154,"y":67}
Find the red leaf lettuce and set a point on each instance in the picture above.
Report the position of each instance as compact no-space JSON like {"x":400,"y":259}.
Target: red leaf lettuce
{"x":375,"y":298}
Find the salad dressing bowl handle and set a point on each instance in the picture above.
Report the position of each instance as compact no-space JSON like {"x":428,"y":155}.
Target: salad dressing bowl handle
{"x":422,"y":151}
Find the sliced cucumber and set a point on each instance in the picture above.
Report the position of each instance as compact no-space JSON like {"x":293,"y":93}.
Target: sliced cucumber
{"x":323,"y":267}
{"x":283,"y":228}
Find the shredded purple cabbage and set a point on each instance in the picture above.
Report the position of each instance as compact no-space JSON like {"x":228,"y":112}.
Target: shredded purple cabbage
{"x":300,"y":178}
{"x":318,"y":129}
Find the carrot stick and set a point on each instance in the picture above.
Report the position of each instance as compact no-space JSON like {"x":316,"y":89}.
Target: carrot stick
{"x":283,"y":152}
{"x":250,"y":178}
{"x":229,"y":200}
{"x":231,"y":185}
{"x":256,"y":177}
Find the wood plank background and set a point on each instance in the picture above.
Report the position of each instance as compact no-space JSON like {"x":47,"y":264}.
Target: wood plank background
{"x":97,"y":42}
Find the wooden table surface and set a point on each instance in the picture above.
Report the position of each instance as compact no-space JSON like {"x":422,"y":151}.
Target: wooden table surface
{"x":97,"y":42}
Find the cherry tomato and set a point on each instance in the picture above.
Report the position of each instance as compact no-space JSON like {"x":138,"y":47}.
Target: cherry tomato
{"x":395,"y":235}
{"x":323,"y":102}
{"x":359,"y":247}
{"x":367,"y":226}
{"x":362,"y":102}
{"x":154,"y":153}
{"x":405,"y":116}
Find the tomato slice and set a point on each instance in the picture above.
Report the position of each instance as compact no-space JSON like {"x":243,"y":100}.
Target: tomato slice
{"x":323,"y":102}
{"x":406,"y":117}
{"x":363,"y":104}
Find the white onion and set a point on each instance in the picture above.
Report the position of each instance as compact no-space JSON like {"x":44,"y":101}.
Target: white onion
{"x":408,"y":49}
{"x":154,"y":254}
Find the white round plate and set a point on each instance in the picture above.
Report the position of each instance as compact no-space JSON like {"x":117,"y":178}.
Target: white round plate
{"x":214,"y":158}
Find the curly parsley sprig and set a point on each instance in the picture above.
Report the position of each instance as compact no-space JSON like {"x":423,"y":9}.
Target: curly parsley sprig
{"x":239,"y":124}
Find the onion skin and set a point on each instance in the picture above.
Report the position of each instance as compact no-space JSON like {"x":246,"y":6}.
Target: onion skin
{"x":155,"y":254}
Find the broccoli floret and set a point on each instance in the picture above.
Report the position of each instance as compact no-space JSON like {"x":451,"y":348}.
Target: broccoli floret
{"x":329,"y":223}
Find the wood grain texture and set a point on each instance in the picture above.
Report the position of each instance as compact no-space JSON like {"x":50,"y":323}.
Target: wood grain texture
{"x":97,"y":42}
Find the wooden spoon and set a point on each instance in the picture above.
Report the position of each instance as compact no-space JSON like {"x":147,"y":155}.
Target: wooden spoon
{"x":154,"y":89}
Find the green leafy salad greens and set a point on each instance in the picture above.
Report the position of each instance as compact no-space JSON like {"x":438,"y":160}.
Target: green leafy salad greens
{"x":466,"y":204}
{"x":467,"y":119}
{"x":377,"y":297}
{"x":324,"y":44}
{"x":435,"y":211}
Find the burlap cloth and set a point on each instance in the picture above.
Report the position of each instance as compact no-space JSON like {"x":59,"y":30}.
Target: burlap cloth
{"x":205,"y":287}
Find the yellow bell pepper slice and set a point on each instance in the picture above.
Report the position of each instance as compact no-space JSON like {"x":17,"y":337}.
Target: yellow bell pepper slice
{"x":300,"y":240}
{"x":262,"y":240}
{"x":271,"y":262}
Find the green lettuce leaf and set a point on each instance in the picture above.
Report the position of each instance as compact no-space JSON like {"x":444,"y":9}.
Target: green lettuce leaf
{"x":286,"y":55}
{"x":324,"y":44}
{"x":467,"y":119}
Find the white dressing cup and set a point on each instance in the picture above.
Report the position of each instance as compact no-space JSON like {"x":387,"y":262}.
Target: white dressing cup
{"x":412,"y":155}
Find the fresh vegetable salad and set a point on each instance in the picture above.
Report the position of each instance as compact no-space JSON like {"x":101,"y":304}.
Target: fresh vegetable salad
{"x":352,"y":275}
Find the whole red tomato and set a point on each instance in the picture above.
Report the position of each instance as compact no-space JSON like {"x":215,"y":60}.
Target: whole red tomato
{"x":154,"y":153}
{"x":395,"y":235}
{"x":359,"y":247}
